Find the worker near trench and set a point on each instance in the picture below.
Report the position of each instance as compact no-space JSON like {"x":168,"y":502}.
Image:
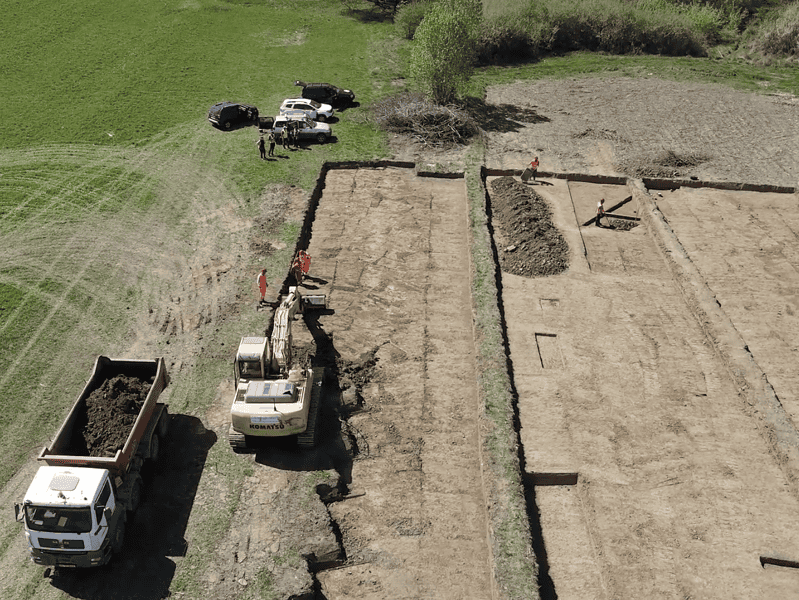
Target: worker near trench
{"x":530,"y":171}
{"x":262,"y":284}
{"x":534,"y":166}
{"x":600,"y":212}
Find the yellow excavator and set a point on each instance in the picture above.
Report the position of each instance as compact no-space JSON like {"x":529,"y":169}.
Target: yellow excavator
{"x":274,"y":397}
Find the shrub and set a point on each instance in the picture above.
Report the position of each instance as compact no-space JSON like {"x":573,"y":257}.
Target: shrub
{"x":409,"y":16}
{"x":780,"y":35}
{"x":510,"y":39}
{"x":442,"y":58}
{"x":644,"y":26}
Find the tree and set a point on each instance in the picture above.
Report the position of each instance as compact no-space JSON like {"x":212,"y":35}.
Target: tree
{"x":442,"y":59}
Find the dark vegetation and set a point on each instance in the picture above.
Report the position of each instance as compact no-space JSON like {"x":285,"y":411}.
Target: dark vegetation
{"x":667,"y":27}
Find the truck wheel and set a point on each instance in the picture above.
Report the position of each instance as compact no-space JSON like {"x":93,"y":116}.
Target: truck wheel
{"x":321,"y":118}
{"x":227,"y":125}
{"x":119,"y":538}
{"x":321,"y":138}
{"x":135,"y":493}
{"x":163,"y":424}
{"x":155,"y":447}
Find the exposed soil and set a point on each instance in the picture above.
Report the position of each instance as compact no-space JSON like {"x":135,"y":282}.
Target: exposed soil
{"x":111,"y":411}
{"x":530,"y":244}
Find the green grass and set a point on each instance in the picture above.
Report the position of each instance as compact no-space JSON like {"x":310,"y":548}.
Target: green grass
{"x":732,"y":73}
{"x":515,"y":568}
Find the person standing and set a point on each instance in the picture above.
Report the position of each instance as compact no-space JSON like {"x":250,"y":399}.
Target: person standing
{"x":261,"y":147}
{"x":534,"y":166}
{"x":285,"y":136}
{"x":262,"y":284}
{"x":271,"y":143}
{"x":600,"y":212}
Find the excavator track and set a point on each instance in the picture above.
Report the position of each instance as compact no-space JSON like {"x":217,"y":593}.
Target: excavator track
{"x":238,"y":441}
{"x":310,"y":437}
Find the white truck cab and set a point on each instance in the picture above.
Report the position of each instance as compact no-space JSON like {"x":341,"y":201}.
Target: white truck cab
{"x":68,"y":513}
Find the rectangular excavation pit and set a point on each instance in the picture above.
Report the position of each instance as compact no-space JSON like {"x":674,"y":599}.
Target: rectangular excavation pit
{"x":549,"y":350}
{"x":549,"y":303}
{"x":540,"y":479}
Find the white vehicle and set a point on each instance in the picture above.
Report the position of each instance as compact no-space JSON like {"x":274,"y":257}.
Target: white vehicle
{"x":274,"y":397}
{"x":303,"y":126}
{"x":315,"y":110}
{"x":76,"y":507}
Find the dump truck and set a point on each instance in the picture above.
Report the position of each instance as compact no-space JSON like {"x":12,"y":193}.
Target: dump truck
{"x":76,"y":508}
{"x":273,"y":397}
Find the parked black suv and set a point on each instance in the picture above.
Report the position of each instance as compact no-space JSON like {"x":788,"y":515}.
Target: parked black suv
{"x":227,"y":114}
{"x":324,"y":92}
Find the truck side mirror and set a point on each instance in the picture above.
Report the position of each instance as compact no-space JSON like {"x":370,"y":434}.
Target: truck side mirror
{"x":19,"y":512}
{"x":107,"y":512}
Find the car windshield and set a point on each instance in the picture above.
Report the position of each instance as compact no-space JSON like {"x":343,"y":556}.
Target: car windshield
{"x":59,"y":519}
{"x":314,"y":103}
{"x":309,"y":123}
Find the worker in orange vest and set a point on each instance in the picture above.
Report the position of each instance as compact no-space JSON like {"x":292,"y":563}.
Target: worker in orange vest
{"x":534,"y":166}
{"x":262,"y":284}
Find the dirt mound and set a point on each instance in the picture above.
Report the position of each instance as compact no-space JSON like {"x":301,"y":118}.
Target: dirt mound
{"x":599,"y":134}
{"x":663,"y":164}
{"x":531,"y":245}
{"x":111,"y":411}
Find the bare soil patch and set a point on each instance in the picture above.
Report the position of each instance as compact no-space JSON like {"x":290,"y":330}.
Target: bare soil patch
{"x":614,"y":126}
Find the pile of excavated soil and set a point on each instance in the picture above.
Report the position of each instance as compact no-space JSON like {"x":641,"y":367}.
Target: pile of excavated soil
{"x":531,"y":245}
{"x":111,"y":411}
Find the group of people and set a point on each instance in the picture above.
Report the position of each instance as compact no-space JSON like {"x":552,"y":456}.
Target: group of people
{"x":286,"y":137}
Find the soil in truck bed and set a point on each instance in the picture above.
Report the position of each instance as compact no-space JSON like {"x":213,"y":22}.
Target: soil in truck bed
{"x":111,"y":411}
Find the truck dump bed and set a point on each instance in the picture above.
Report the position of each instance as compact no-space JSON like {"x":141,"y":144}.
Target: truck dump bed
{"x":67,"y":449}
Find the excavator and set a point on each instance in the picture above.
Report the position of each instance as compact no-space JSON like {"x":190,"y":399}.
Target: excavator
{"x":273,"y":396}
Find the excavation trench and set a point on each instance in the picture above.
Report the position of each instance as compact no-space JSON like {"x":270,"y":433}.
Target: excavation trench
{"x":525,"y":242}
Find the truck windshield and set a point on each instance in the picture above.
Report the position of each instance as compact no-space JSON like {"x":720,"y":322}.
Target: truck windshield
{"x":59,"y":519}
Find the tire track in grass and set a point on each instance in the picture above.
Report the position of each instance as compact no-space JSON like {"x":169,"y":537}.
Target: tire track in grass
{"x":46,"y":265}
{"x":85,"y":245}
{"x":168,"y":248}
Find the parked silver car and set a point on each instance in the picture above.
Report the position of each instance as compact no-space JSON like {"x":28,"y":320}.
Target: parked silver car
{"x":302,"y":126}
